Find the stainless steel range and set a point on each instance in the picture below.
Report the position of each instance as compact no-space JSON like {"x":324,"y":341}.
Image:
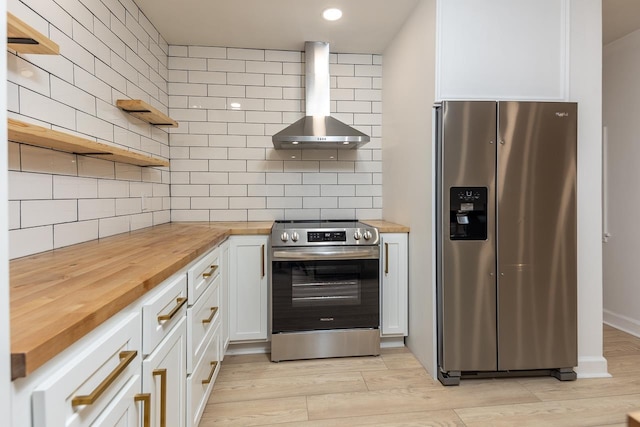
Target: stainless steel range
{"x":325,"y":289}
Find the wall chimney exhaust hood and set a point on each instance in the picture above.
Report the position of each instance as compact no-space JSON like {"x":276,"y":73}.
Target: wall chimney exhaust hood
{"x":318,"y":129}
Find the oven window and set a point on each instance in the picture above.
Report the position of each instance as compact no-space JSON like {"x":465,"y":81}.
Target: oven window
{"x":325,"y":285}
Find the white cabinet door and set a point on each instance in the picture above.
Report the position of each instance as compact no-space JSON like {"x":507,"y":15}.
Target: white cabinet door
{"x":126,"y":408}
{"x":394,"y":284}
{"x":164,"y":376}
{"x":248,"y":287}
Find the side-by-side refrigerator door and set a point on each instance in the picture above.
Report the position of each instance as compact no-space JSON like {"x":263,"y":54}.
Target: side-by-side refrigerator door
{"x":537,"y":235}
{"x":466,"y":236}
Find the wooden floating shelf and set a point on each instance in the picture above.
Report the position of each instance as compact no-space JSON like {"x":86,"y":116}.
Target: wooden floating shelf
{"x":146,"y":112}
{"x":24,"y":39}
{"x":42,"y":137}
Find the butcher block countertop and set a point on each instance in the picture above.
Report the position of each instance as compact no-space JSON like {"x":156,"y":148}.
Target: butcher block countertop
{"x":59,"y":296}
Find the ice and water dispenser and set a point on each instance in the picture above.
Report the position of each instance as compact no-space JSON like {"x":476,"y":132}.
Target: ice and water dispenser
{"x":468,"y":213}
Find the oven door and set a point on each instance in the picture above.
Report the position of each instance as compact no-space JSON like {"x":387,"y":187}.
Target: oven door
{"x":323,"y":288}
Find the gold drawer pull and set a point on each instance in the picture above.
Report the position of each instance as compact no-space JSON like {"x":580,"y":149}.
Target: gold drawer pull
{"x":210,"y":273}
{"x":146,"y":414}
{"x":181,"y":301}
{"x":214,"y":365}
{"x":162,"y":373}
{"x":126,"y":357}
{"x":214,"y":310}
{"x":386,"y":258}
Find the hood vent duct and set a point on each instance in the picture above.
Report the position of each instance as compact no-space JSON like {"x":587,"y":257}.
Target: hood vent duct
{"x":318,"y":129}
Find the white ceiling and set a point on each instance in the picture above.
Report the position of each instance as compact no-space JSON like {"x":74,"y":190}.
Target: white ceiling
{"x":619,"y":18}
{"x":367,"y":26}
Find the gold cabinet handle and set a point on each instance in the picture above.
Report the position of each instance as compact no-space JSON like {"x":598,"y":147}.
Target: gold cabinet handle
{"x":145,"y":398}
{"x":162,"y":373}
{"x":214,"y":365}
{"x":126,"y":357}
{"x":262,"y":257}
{"x":214,"y":310}
{"x":180,"y":302}
{"x":386,"y":258}
{"x":210,"y":273}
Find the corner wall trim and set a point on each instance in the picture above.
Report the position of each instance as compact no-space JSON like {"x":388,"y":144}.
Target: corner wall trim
{"x":592,"y":367}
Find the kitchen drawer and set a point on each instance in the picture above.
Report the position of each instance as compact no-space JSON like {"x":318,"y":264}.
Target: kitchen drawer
{"x":200,"y":382}
{"x":202,"y":273}
{"x":124,"y":410}
{"x":77,"y":392}
{"x":202,"y":318}
{"x":162,"y":310}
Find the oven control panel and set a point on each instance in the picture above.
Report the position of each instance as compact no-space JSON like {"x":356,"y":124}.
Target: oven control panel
{"x":326,"y":236}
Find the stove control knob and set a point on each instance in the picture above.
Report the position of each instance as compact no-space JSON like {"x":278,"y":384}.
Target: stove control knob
{"x":367,"y":235}
{"x":284,"y":236}
{"x":357,"y":235}
{"x":295,"y":237}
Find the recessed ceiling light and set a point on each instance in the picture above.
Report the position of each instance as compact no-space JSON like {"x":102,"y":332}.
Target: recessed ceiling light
{"x":332,"y":14}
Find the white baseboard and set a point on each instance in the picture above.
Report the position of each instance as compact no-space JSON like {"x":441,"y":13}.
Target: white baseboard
{"x":592,"y":367}
{"x":248,"y":348}
{"x":624,"y":323}
{"x":391,"y":342}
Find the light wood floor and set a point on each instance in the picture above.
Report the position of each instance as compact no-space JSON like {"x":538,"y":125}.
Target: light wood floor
{"x":394,"y":390}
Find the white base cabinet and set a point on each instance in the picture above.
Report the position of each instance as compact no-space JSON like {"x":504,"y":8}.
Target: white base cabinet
{"x":248,"y":287}
{"x":394,"y":284}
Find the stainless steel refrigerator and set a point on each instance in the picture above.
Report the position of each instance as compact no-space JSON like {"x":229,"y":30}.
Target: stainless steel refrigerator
{"x":506,"y":239}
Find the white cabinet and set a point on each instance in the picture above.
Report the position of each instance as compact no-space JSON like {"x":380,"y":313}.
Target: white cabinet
{"x":97,"y":376}
{"x":125,"y":408}
{"x":202,"y":318}
{"x":394,"y":284}
{"x":164,"y":378}
{"x":224,"y":296}
{"x":200,"y":382}
{"x":248,"y":287}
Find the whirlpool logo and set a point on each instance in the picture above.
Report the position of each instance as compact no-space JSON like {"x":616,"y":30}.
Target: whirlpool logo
{"x":562,"y":114}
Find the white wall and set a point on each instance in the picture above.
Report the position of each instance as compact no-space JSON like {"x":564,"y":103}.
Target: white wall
{"x":409,"y":93}
{"x":555,"y":55}
{"x":108,"y":51}
{"x":230,"y":101}
{"x":5,"y":363}
{"x":621,"y":106}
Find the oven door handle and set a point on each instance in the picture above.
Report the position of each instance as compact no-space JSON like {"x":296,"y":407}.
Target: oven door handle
{"x":325,"y":253}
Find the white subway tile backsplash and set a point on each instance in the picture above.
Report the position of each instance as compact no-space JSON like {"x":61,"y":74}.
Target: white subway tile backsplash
{"x":342,"y":70}
{"x":184,"y":190}
{"x":227,"y":65}
{"x":175,"y":50}
{"x":35,"y":159}
{"x":13,"y":99}
{"x":293,"y":68}
{"x":226,"y":116}
{"x":320,"y":202}
{"x":212,"y":77}
{"x":247,"y":178}
{"x":164,"y":216}
{"x":282,"y":105}
{"x":301,"y":214}
{"x":228,"y":190}
{"x":25,"y":74}
{"x":246,"y":129}
{"x":248,"y":54}
{"x":265,"y":214}
{"x":14,"y":215}
{"x":132,"y":24}
{"x":179,"y":63}
{"x":197,"y":89}
{"x":112,"y":189}
{"x":88,"y":41}
{"x":319,"y":178}
{"x":283,"y":80}
{"x":94,"y":126}
{"x":282,"y":56}
{"x":27,"y":241}
{"x":302,"y":166}
{"x":74,"y":232}
{"x":264,"y":67}
{"x":207,"y":153}
{"x":128,"y":172}
{"x":34,"y":213}
{"x":206,"y":128}
{"x":266,"y":190}
{"x":30,"y":186}
{"x":264,"y":166}
{"x":354,"y":83}
{"x":189,"y":215}
{"x":245,"y":79}
{"x":209,"y":203}
{"x":264,"y":117}
{"x":188,"y":165}
{"x":142,"y":220}
{"x":91,"y":84}
{"x":43,"y":108}
{"x":121,"y":66}
{"x":228,"y":91}
{"x":209,"y":178}
{"x":284,"y":202}
{"x":338,"y":214}
{"x":247,"y":202}
{"x":204,"y":52}
{"x":338,"y":190}
{"x":354,"y":107}
{"x":354,"y":178}
{"x":96,"y":208}
{"x":114,"y":225}
{"x":264,"y":92}
{"x":128,"y":206}
{"x":369,"y":95}
{"x":228,"y":140}
{"x":71,"y":187}
{"x":14,"y":156}
{"x":73,"y":51}
{"x":363,"y":59}
{"x":204,"y":103}
{"x":301,"y":190}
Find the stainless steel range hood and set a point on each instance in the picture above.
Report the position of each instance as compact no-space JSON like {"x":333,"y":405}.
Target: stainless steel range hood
{"x":317,"y":129}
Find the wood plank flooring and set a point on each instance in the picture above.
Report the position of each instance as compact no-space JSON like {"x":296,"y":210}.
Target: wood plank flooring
{"x":394,"y":390}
